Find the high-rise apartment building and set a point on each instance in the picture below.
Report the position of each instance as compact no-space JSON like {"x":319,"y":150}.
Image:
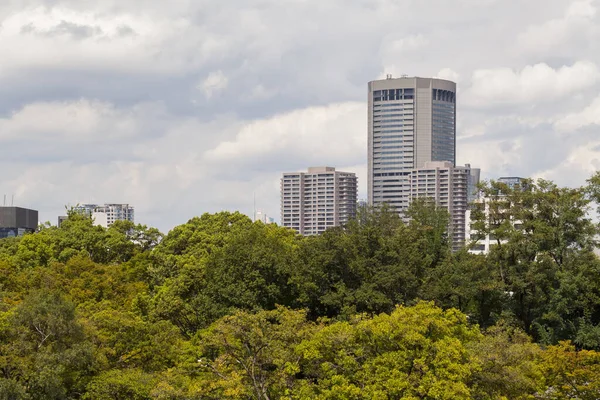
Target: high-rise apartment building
{"x":411,"y":121}
{"x":105,"y":215}
{"x":314,"y":201}
{"x":450,"y":187}
{"x":481,"y":243}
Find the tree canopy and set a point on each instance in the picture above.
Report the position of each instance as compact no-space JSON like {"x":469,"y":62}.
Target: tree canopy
{"x":225,"y":308}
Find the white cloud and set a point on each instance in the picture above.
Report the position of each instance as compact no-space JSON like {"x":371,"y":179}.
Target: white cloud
{"x":62,"y":37}
{"x":588,"y":116}
{"x":449,"y":74}
{"x":558,"y":36}
{"x":581,"y":9}
{"x":395,"y":50}
{"x":77,"y":121}
{"x":496,"y":157}
{"x":105,"y":101}
{"x":581,"y":163}
{"x":215,"y":82}
{"x":327,"y":133}
{"x":534,"y":83}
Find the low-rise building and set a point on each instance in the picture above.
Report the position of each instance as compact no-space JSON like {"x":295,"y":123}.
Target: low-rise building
{"x":17,"y":221}
{"x":106,"y":215}
{"x":494,"y":214}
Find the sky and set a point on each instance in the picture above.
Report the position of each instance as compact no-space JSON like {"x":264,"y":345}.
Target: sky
{"x":183,"y":107}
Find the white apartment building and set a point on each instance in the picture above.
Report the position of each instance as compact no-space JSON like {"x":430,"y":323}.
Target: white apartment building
{"x":482,"y":244}
{"x":314,"y":201}
{"x":452,"y":188}
{"x":105,"y":215}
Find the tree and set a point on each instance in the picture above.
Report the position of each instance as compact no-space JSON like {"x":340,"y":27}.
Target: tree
{"x":469,"y":283}
{"x":544,"y":242}
{"x":249,"y":270}
{"x":252,"y":355}
{"x":570,"y":374}
{"x":414,"y":352}
{"x":372,"y":264}
{"x":44,"y":349}
{"x":506,"y":365}
{"x":128,"y":384}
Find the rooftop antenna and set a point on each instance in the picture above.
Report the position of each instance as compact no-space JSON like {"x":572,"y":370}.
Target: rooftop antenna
{"x":12,"y":201}
{"x":4,"y":204}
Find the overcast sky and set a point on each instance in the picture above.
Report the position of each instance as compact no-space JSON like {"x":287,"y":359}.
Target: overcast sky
{"x":182,"y":107}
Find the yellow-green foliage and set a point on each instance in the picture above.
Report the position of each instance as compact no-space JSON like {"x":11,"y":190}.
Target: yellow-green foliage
{"x":223,"y":308}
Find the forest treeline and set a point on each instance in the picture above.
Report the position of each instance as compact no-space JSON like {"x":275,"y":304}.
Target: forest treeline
{"x":224,"y":308}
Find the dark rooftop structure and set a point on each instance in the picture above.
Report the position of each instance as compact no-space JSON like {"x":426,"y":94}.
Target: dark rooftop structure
{"x":16,"y":221}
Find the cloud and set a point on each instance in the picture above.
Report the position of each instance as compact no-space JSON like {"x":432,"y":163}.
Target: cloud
{"x":77,"y":31}
{"x":559,"y":36}
{"x":77,"y":121}
{"x":534,"y":83}
{"x":324,"y":135}
{"x":580,"y":164}
{"x":61,"y":37}
{"x":215,"y":82}
{"x":187,"y":107}
{"x":588,"y":116}
{"x":395,"y":50}
{"x":449,"y":74}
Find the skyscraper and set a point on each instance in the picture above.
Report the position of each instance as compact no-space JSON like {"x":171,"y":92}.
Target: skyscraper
{"x":411,"y":122}
{"x":320,"y":199}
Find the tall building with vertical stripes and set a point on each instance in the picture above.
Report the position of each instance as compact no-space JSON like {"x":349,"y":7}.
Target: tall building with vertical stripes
{"x":411,"y":121}
{"x":412,"y":149}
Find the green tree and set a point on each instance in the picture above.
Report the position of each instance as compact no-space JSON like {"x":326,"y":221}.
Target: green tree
{"x":251,"y":356}
{"x":544,"y":245}
{"x":44,"y":349}
{"x":505,"y":365}
{"x":469,"y":283}
{"x":570,"y":374}
{"x":414,"y":352}
{"x":128,"y":384}
{"x":248,"y":269}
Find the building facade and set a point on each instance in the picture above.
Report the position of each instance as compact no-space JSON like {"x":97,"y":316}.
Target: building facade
{"x":106,"y":215}
{"x":450,"y":187}
{"x":314,"y":201}
{"x":261,"y":216}
{"x":411,"y":121}
{"x":481,"y":243}
{"x":17,"y":221}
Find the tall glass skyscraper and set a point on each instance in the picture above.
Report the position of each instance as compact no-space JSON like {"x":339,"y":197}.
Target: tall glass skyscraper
{"x":411,"y":121}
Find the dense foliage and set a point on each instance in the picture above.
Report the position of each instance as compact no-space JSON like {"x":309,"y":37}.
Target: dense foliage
{"x":223,"y":308}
